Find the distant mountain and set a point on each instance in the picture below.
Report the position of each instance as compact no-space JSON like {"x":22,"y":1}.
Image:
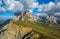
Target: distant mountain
{"x":4,"y":22}
{"x":17,"y":14}
{"x":42,"y":18}
{"x":1,"y":21}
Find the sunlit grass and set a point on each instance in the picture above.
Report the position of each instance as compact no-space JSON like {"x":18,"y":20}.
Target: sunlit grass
{"x":41,"y":28}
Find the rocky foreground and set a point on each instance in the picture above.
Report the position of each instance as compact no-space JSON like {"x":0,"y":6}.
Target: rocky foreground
{"x":13,"y":31}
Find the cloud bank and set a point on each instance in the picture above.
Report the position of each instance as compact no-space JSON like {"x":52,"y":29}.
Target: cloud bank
{"x":20,"y":5}
{"x":51,"y":7}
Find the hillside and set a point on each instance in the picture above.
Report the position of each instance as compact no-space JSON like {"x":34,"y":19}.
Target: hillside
{"x":45,"y":31}
{"x":13,"y":31}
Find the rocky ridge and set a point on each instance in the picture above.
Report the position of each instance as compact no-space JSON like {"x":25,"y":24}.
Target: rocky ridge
{"x":13,"y":31}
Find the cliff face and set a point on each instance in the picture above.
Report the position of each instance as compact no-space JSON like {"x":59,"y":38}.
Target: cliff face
{"x":13,"y":31}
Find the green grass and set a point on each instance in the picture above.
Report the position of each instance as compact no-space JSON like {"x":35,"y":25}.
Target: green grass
{"x":42,"y":28}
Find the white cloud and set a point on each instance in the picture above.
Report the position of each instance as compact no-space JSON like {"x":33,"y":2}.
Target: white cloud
{"x":29,"y":4}
{"x":46,"y":7}
{"x":58,"y":4}
{"x":55,"y":9}
{"x":34,"y":5}
{"x":0,"y":2}
{"x":13,"y":5}
{"x":8,"y":2}
{"x":51,"y":5}
{"x":40,"y":7}
{"x":20,"y":5}
{"x":49,"y":8}
{"x":2,"y":9}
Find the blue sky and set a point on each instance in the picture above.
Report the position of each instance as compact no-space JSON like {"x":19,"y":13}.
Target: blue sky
{"x":45,"y":1}
{"x":6,"y":15}
{"x":8,"y":8}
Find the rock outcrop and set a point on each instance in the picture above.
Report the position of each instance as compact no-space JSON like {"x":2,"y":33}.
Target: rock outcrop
{"x":13,"y":31}
{"x":26,"y":16}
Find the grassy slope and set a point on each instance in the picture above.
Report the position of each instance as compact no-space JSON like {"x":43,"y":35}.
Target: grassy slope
{"x":42,"y":28}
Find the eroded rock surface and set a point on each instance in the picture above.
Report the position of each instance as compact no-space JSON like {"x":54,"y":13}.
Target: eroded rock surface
{"x":13,"y":31}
